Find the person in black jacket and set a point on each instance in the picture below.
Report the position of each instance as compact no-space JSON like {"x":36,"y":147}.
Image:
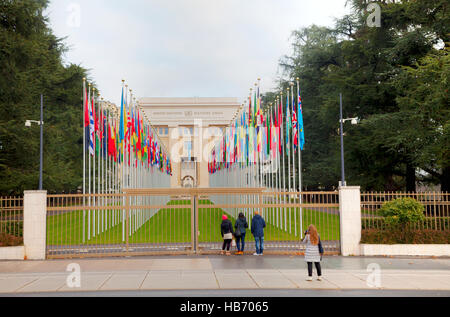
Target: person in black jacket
{"x":226,"y":228}
{"x":241,"y":225}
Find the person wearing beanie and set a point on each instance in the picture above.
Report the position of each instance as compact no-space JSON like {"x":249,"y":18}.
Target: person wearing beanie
{"x":226,"y":229}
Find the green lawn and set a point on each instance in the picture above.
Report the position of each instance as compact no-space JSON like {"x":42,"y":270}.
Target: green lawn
{"x":173,"y":225}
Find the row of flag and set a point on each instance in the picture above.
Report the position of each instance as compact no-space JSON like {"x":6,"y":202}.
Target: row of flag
{"x":259,"y":137}
{"x":119,"y":139}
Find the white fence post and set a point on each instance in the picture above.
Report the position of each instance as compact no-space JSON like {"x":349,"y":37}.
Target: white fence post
{"x":350,"y":220}
{"x":34,"y":224}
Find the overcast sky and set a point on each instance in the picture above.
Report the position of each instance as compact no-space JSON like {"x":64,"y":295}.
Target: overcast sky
{"x":184,"y":48}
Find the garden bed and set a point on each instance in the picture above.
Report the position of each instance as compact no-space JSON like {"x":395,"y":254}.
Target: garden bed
{"x":411,"y":236}
{"x":7,"y":240}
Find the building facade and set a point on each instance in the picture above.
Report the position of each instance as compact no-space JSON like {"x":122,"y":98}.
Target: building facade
{"x":188,"y":128}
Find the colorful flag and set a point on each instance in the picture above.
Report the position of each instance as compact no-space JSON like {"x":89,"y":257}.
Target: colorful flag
{"x":300,"y":123}
{"x":91,"y":133}
{"x":288,"y":125}
{"x":122,"y":120}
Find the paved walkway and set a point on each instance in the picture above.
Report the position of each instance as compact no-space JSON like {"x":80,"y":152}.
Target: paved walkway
{"x":224,"y":273}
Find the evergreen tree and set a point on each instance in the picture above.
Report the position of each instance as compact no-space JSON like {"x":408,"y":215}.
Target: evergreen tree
{"x":31,"y":64}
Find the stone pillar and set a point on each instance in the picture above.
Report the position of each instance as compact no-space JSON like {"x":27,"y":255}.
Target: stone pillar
{"x":35,"y":224}
{"x":350,"y":220}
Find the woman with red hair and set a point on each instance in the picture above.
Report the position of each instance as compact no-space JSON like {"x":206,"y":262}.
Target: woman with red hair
{"x":313,"y":253}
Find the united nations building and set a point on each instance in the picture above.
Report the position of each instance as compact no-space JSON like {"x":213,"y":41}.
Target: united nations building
{"x":188,"y":128}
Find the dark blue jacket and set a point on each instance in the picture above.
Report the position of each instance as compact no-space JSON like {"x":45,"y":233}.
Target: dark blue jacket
{"x":258,"y":225}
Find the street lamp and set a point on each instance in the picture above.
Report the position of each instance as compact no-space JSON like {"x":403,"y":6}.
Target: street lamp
{"x":354,"y":121}
{"x":41,"y":124}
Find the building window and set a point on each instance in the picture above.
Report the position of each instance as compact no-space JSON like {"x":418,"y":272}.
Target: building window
{"x":163,"y":131}
{"x":188,"y":148}
{"x":215,"y":131}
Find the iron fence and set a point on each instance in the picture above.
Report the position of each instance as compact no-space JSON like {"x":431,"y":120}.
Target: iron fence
{"x":436,"y":209}
{"x":11,"y":216}
{"x":183,"y":221}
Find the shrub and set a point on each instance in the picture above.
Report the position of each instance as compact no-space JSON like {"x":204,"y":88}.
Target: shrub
{"x":7,"y":240}
{"x":402,"y":212}
{"x":433,"y":223}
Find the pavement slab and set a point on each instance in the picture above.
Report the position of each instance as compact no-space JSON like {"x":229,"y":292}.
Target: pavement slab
{"x":270,"y":279}
{"x":183,"y":264}
{"x":166,"y":280}
{"x":235,"y":279}
{"x":89,"y":282}
{"x":11,"y":284}
{"x":45,"y":284}
{"x":299,"y":279}
{"x":124,"y":281}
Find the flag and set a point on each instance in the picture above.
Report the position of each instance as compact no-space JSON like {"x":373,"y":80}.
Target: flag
{"x":288,"y":125}
{"x":294,"y":129}
{"x":96,"y":129}
{"x":91,"y":133}
{"x":86,"y":110}
{"x":122,"y":121}
{"x":300,"y":122}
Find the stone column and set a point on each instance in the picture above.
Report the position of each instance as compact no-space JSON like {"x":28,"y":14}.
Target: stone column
{"x":350,"y":220}
{"x":35,"y":224}
{"x":175,"y":156}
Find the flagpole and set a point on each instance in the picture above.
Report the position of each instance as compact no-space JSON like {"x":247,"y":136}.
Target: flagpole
{"x":123,"y":147}
{"x":293,"y":156}
{"x":93,"y":164}
{"x":300,"y":158}
{"x":288,"y":135}
{"x":278,"y":173}
{"x":84,"y":157}
{"x":284,"y":165}
{"x":98,"y":167}
{"x":89,"y":167}
{"x":102,"y":165}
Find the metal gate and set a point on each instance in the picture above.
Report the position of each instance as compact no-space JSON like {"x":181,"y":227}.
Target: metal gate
{"x":184,"y":221}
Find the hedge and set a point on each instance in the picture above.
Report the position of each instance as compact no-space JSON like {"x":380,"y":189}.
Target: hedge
{"x":438,"y":223}
{"x":385,"y":236}
{"x":7,"y":240}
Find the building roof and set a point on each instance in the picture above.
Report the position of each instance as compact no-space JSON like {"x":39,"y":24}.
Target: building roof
{"x":187,"y":111}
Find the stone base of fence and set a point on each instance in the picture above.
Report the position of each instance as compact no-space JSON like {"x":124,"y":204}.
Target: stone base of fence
{"x":441,"y":250}
{"x":12,"y":253}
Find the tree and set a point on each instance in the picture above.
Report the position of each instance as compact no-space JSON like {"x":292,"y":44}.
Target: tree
{"x":31,"y":64}
{"x":383,"y":74}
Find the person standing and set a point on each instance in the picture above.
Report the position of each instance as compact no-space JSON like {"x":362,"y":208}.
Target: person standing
{"x":241,"y":225}
{"x":314,"y":252}
{"x":226,"y":229}
{"x":258,"y":225}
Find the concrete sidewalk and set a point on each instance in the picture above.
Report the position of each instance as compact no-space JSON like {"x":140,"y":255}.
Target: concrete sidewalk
{"x":224,"y":273}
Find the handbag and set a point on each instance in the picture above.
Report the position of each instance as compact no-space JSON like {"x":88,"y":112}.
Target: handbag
{"x":228,"y":236}
{"x":237,"y":233}
{"x":320,"y":247}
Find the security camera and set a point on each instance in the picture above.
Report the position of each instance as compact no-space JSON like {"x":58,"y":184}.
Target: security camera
{"x":355,"y":121}
{"x":28,"y":123}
